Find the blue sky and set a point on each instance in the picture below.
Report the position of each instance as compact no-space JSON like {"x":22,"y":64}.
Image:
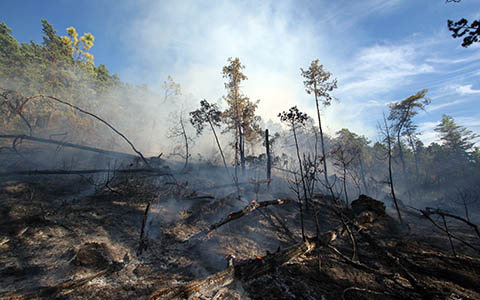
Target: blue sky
{"x":380,"y":51}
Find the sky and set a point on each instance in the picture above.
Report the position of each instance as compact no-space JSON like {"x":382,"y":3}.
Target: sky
{"x":380,"y":51}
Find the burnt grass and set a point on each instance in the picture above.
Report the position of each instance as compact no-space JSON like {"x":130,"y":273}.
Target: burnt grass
{"x":58,"y":230}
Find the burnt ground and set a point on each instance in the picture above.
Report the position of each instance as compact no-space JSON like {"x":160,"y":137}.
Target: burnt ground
{"x":75,"y":237}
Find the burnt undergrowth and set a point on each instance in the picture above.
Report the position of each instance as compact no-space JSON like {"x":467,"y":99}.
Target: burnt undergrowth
{"x":77,"y":236}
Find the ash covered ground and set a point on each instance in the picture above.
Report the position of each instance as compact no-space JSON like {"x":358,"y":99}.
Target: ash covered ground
{"x":80,"y":237}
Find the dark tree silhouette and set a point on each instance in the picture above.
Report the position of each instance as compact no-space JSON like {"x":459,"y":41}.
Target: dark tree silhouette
{"x":469,"y":32}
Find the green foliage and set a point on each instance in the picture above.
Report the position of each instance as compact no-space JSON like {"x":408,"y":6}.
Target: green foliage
{"x":240,"y":115}
{"x":294,"y":117}
{"x":455,"y":138}
{"x":207,"y":113}
{"x":62,"y":66}
{"x":317,"y":81}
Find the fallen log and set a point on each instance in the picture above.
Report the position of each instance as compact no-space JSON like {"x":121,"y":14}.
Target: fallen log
{"x":242,"y":271}
{"x":156,"y":171}
{"x":70,"y":145}
{"x":253,"y":268}
{"x":254,"y":205}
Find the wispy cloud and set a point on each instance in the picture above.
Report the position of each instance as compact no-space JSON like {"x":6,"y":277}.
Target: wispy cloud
{"x":384,"y":67}
{"x":192,"y":40}
{"x":435,"y":107}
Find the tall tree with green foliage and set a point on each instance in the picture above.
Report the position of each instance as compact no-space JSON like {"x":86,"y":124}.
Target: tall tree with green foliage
{"x":401,"y":114}
{"x":317,"y":81}
{"x":456,"y":139}
{"x":240,"y":115}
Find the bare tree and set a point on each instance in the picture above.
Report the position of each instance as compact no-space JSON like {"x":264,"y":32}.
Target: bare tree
{"x":295,"y":118}
{"x":178,"y":130}
{"x":343,"y":156}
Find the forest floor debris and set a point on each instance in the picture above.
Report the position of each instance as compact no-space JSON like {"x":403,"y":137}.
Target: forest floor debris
{"x":54,"y":245}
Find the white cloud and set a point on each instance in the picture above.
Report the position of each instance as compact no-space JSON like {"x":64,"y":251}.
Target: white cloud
{"x":466,"y":90}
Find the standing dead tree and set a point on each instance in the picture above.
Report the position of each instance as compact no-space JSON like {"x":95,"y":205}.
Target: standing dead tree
{"x":343,"y":157}
{"x":178,"y":130}
{"x":295,"y":118}
{"x":269,"y":157}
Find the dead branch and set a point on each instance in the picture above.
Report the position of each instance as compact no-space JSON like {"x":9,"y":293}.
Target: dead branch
{"x":254,"y":205}
{"x":65,"y":144}
{"x":426,"y":214}
{"x":449,"y":235}
{"x":89,"y":114}
{"x":156,"y":171}
{"x":446,"y":214}
{"x":18,"y":109}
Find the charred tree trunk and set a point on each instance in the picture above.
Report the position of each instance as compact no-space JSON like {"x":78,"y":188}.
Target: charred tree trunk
{"x":302,"y":175}
{"x":389,"y":152}
{"x":242,"y":149}
{"x":269,"y":158}
{"x":218,"y":144}
{"x":345,"y":183}
{"x":185,"y":137}
{"x":327,"y":183}
{"x":362,"y":175}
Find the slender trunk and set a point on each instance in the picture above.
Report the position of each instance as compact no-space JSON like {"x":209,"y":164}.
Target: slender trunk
{"x":301,"y":167}
{"x":323,"y":144}
{"x":415,"y":155}
{"x":185,"y":137}
{"x":389,"y":144}
{"x":218,"y":144}
{"x":345,"y":183}
{"x":400,"y":152}
{"x":315,"y":162}
{"x":242,"y":150}
{"x":362,"y":175}
{"x":300,"y":206}
{"x":269,"y":158}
